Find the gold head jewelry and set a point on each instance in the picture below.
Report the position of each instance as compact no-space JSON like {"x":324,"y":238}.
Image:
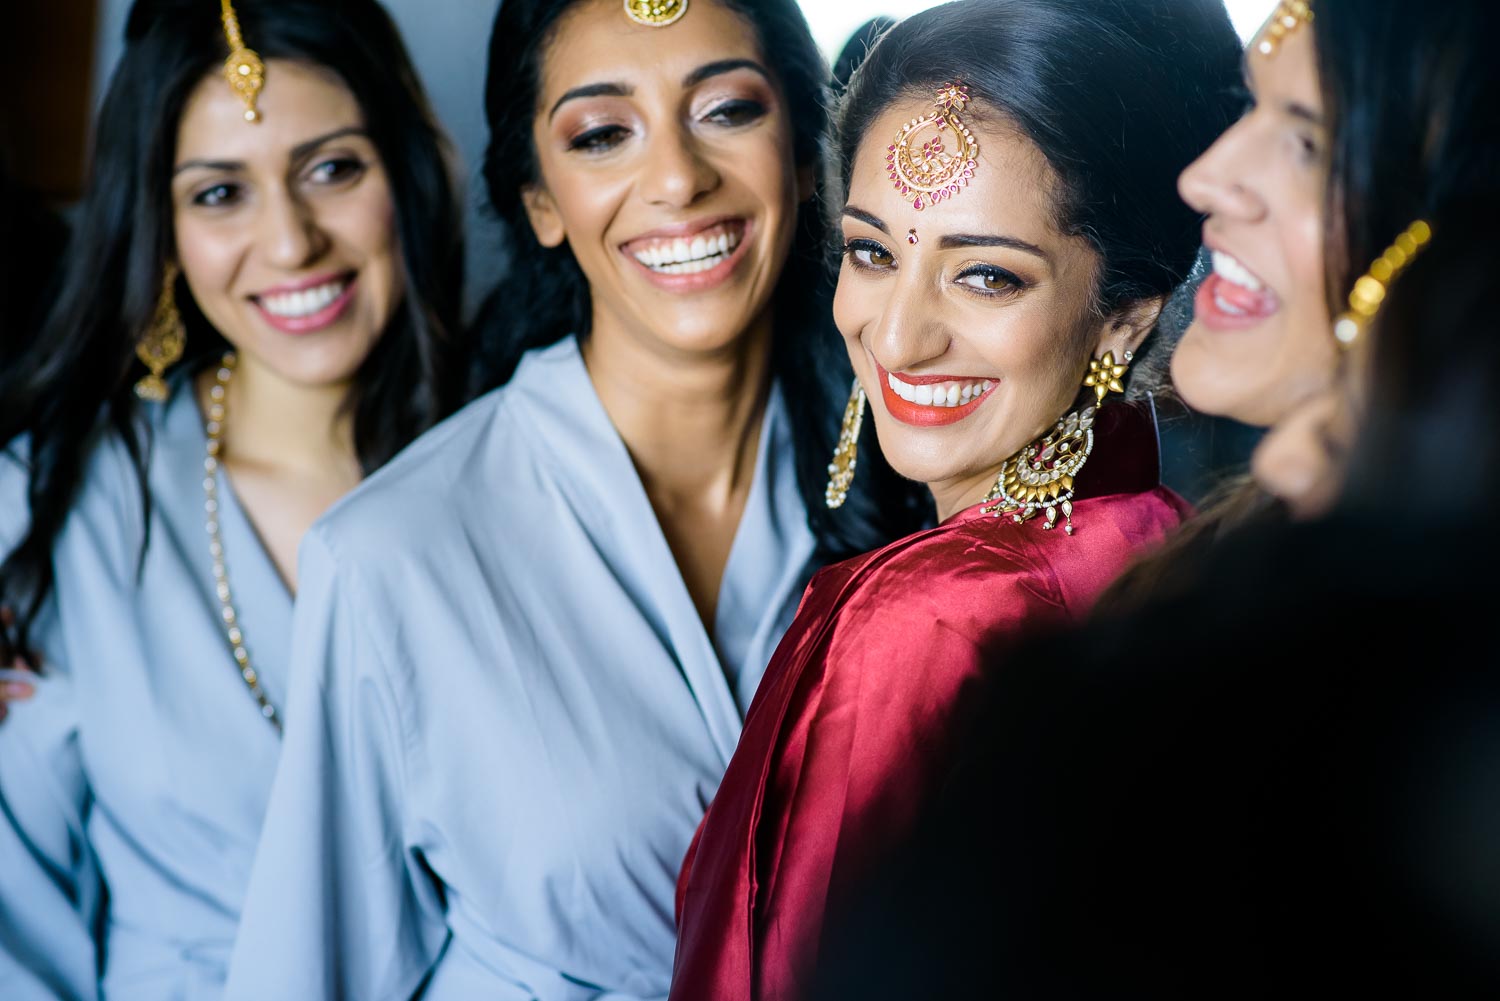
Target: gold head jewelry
{"x":163,"y":343}
{"x":846,"y":456}
{"x":656,"y":13}
{"x":1370,"y":290}
{"x":1104,"y":376}
{"x":931,"y":170}
{"x":1287,"y":18}
{"x":243,"y":69}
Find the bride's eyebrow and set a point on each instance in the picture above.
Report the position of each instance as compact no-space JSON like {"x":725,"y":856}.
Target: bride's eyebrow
{"x":955,"y":240}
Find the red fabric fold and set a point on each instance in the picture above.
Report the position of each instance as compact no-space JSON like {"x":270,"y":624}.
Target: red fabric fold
{"x":852,"y":720}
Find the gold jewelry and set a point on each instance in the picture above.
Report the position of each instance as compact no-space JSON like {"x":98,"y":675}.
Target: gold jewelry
{"x":1288,"y":17}
{"x":846,"y":456}
{"x":1040,"y":476}
{"x":934,"y":171}
{"x":911,"y":237}
{"x":243,"y":69}
{"x":213,"y":429}
{"x":1104,"y":376}
{"x":1369,"y":292}
{"x":655,"y":13}
{"x":162,"y":345}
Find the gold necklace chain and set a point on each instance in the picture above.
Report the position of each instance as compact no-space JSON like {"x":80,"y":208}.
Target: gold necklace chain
{"x":213,"y":429}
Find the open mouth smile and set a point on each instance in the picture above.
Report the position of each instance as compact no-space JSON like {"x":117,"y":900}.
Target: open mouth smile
{"x":932,"y":400}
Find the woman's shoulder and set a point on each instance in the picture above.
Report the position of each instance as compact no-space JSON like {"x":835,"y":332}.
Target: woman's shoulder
{"x":474,"y":465}
{"x":413,"y":491}
{"x":964,"y":577}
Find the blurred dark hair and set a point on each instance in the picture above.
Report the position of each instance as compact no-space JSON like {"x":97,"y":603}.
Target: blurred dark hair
{"x":857,"y":47}
{"x":1428,"y":416}
{"x":79,"y":374}
{"x":1409,"y":103}
{"x":544,"y":297}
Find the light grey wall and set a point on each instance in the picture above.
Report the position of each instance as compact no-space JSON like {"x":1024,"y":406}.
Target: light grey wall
{"x":449,"y":42}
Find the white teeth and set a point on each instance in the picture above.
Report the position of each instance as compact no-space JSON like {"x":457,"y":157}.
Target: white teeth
{"x":1233,"y":271}
{"x":942,"y":394}
{"x":1225,"y":306}
{"x":295,"y":305}
{"x":686,"y":257}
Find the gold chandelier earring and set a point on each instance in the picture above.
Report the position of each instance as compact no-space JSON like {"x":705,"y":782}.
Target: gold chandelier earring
{"x":846,"y":456}
{"x":163,"y":343}
{"x":1039,"y":478}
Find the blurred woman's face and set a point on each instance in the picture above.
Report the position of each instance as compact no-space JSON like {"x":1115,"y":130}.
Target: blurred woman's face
{"x":286,"y":228}
{"x":970,"y":323}
{"x":667,"y":168}
{"x":1261,"y":342}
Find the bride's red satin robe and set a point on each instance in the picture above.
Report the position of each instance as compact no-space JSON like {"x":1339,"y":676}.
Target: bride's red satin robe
{"x":849,"y":724}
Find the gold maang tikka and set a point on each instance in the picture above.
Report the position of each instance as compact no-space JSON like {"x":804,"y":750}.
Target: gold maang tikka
{"x":1371,"y":288}
{"x":933,"y":171}
{"x":1039,"y":479}
{"x":243,"y":69}
{"x":655,"y":13}
{"x":1287,"y":18}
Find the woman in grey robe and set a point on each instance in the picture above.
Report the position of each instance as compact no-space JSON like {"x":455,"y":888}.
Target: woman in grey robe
{"x":523,"y":651}
{"x":305,"y":264}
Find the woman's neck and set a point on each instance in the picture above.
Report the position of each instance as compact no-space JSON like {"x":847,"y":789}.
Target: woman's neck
{"x":691,"y":421}
{"x":953,"y":496}
{"x":273,"y":424}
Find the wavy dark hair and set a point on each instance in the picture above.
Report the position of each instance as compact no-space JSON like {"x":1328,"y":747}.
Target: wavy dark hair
{"x":807,"y":356}
{"x":1119,"y":96}
{"x":76,"y":380}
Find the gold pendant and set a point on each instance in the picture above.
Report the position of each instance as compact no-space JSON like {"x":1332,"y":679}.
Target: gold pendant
{"x":656,"y":13}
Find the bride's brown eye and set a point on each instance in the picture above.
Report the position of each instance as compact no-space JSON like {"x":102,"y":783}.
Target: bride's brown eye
{"x":987,"y":278}
{"x":869,"y":254}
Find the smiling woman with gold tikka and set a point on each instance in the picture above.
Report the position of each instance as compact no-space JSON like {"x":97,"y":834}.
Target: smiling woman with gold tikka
{"x":260,"y":308}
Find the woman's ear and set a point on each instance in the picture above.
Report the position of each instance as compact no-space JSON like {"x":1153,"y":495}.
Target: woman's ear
{"x":541,"y":210}
{"x":1125,"y":330}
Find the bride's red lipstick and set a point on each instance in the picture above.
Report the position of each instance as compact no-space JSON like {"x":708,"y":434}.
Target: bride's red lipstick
{"x":916,"y":414}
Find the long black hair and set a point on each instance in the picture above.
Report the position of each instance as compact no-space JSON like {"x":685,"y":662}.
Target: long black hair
{"x":1410,"y":104}
{"x":1119,"y":96}
{"x":77,"y":378}
{"x":544,"y":296}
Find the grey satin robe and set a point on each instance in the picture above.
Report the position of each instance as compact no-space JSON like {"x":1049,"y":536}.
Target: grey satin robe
{"x":142,"y":766}
{"x":507,"y":718}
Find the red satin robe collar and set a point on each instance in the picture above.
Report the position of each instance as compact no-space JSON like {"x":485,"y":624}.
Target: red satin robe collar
{"x":851,"y":719}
